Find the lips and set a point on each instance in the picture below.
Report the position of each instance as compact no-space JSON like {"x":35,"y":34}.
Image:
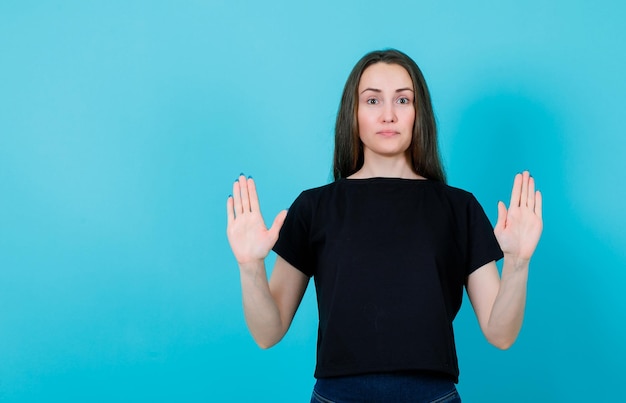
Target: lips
{"x":387,"y":133}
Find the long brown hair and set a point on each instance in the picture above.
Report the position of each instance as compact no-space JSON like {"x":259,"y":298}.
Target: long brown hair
{"x":423,"y":151}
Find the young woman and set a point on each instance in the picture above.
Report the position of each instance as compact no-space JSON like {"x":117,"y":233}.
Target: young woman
{"x":390,"y":247}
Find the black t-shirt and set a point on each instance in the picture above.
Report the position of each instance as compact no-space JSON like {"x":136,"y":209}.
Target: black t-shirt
{"x":389,"y":258}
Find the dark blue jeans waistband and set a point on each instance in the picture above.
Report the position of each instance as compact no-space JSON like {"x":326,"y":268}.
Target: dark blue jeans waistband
{"x":385,"y":387}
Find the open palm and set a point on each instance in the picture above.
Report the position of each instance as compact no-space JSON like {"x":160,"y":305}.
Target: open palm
{"x":249,"y":238}
{"x":519,"y":228}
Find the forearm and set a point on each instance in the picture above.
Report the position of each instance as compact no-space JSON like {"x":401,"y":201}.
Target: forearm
{"x":260,"y":309}
{"x":507,"y":314}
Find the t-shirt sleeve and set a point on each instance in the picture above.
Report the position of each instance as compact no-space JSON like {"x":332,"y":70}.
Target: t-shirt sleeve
{"x":294,"y":243}
{"x":483,"y":246}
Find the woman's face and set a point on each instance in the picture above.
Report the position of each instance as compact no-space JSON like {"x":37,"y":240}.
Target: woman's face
{"x":386,"y":111}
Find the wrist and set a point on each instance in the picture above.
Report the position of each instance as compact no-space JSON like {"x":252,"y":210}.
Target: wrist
{"x":516,"y":262}
{"x":251,"y":266}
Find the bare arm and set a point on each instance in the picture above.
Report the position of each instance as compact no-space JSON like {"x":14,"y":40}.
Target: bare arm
{"x":269,"y":306}
{"x":499,"y":303}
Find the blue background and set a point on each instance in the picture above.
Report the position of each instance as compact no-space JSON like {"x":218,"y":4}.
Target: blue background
{"x":124,"y":123}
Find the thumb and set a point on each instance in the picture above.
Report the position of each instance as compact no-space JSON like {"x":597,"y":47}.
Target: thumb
{"x":277,"y":224}
{"x":502,"y":213}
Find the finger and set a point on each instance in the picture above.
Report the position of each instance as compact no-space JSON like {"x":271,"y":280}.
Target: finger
{"x":524,"y":192}
{"x":501,"y":222}
{"x":237,"y":198}
{"x":245,"y":197}
{"x":515,"y":192}
{"x":230,"y":213}
{"x":277,"y":224}
{"x":539,"y":204}
{"x":254,"y":197}
{"x":531,"y":193}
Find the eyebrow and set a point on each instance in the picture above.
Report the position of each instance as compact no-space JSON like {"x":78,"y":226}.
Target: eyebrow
{"x":377,"y":90}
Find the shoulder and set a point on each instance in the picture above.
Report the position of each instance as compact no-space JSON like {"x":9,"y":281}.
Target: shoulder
{"x":452,"y":193}
{"x":316,"y":194}
{"x":462,"y":203}
{"x":320,"y":190}
{"x":308,"y":200}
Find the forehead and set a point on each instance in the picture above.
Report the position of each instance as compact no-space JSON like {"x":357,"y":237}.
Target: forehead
{"x":385,"y":76}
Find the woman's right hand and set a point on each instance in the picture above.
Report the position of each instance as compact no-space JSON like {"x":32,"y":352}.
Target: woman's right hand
{"x":249,"y":238}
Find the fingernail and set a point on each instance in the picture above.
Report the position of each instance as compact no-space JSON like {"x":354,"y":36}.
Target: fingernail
{"x":241,"y":174}
{"x":249,"y":176}
{"x":229,"y":196}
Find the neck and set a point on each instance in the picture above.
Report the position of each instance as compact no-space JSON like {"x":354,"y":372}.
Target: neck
{"x":382,"y":167}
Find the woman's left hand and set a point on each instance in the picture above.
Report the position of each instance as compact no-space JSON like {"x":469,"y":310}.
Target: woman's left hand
{"x":519,"y":228}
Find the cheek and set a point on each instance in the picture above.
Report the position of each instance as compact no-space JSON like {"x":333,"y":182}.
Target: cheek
{"x":363,"y":121}
{"x":410,"y":118}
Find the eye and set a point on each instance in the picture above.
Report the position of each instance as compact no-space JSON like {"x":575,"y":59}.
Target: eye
{"x":371,"y":101}
{"x":404,"y":100}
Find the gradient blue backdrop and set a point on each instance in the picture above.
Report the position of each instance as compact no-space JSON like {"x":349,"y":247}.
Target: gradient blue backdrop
{"x":124,"y":123}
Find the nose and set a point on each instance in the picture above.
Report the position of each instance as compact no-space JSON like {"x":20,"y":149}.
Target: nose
{"x":388,"y":113}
